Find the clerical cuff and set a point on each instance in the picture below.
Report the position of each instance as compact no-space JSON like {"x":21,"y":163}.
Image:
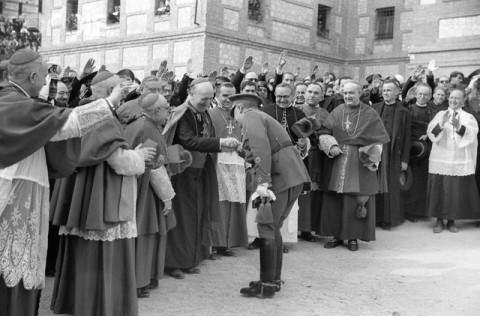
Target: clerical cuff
{"x":461,"y":130}
{"x":436,"y":130}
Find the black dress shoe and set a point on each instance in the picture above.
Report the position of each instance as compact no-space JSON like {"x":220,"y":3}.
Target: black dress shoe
{"x":143,"y":292}
{"x":260,"y":290}
{"x":224,"y":251}
{"x":385,"y":226}
{"x":278,"y":284}
{"x":153,"y":284}
{"x":352,"y":245}
{"x":307,"y":236}
{"x":255,"y":244}
{"x":333,"y":243}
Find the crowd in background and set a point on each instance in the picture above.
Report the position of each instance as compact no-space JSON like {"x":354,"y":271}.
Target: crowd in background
{"x":15,"y":35}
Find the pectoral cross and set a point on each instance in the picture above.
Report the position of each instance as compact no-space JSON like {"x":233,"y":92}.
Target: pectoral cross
{"x":230,"y":127}
{"x":204,"y":131}
{"x":347,"y":123}
{"x":284,"y":120}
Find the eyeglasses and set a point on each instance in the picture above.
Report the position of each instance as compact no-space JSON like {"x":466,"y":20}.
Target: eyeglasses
{"x":443,"y":81}
{"x":280,"y":97}
{"x":252,"y":79}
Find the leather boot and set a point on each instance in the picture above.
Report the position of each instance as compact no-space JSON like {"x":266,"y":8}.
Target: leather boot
{"x":278,"y":284}
{"x":278,"y":267}
{"x":268,"y":259}
{"x":260,"y":289}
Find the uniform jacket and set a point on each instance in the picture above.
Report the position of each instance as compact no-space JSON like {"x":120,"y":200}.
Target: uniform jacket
{"x":268,"y":147}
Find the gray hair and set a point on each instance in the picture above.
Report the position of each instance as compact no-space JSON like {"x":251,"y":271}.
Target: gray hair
{"x":24,"y":70}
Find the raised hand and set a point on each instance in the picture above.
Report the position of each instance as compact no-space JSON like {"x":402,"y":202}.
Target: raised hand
{"x":282,"y":59}
{"x":297,"y":72}
{"x":455,"y":122}
{"x":224,"y":72}
{"x":89,"y":66}
{"x":417,"y":73}
{"x":102,"y":68}
{"x":162,"y":69}
{"x":431,"y":66}
{"x":190,"y":67}
{"x":247,"y":63}
{"x":445,"y":118}
{"x":212,"y":75}
{"x":314,"y":70}
{"x":264,"y":68}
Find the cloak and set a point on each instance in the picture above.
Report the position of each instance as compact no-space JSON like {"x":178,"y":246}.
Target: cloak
{"x":26,"y":124}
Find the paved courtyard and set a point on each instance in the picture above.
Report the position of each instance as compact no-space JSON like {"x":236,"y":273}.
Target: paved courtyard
{"x":407,"y":271}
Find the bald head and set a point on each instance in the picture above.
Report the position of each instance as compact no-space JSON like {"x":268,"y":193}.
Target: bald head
{"x":351,"y":93}
{"x":201,"y":96}
{"x":103,"y":88}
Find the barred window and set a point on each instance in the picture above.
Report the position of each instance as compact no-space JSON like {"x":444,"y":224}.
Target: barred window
{"x":255,"y":12}
{"x":162,"y":7}
{"x":322,"y":21}
{"x":385,"y":17}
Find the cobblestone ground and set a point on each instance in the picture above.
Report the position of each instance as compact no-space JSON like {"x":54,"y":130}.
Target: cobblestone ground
{"x":407,"y":271}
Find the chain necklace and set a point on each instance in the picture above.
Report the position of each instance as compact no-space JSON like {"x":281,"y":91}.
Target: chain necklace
{"x":230,"y":127}
{"x":284,"y":120}
{"x":201,"y":119}
{"x":346,"y":124}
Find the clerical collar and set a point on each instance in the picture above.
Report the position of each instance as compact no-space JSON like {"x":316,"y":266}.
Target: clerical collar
{"x":314,"y":106}
{"x":289,"y":106}
{"x":20,"y":88}
{"x":421,"y":106}
{"x":390,"y":103}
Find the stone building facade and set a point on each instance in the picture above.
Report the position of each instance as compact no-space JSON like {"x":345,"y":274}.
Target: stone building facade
{"x":21,"y":9}
{"x":348,"y":37}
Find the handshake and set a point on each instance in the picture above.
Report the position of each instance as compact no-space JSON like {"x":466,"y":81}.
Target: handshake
{"x":229,"y":144}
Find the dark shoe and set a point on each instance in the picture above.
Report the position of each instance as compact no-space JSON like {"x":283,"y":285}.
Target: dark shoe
{"x":192,"y":271}
{"x":307,"y":236}
{"x":439,"y":226}
{"x":226,"y":252}
{"x":143,"y":292}
{"x":385,"y":226}
{"x":176,"y":273}
{"x":278,"y":284}
{"x":452,"y":227}
{"x":153,"y":284}
{"x":411,"y":218}
{"x":213,"y":256}
{"x":255,"y":244}
{"x":333,"y":243}
{"x":352,"y":245}
{"x":259,"y":290}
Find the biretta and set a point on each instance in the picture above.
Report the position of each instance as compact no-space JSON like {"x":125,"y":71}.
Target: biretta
{"x":23,"y":56}
{"x":101,"y":76}
{"x":245,"y":99}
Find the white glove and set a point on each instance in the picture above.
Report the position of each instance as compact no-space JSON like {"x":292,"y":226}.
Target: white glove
{"x":229,"y":143}
{"x":264,"y":192}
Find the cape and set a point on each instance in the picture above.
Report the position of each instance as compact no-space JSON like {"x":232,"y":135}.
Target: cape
{"x":149,"y":206}
{"x":90,"y":199}
{"x":26,"y":124}
{"x":368,"y":131}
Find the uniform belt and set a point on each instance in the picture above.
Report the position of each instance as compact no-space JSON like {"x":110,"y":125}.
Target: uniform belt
{"x":281,"y":145}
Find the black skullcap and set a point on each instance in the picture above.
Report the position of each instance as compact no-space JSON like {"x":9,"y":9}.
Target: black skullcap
{"x":23,"y":56}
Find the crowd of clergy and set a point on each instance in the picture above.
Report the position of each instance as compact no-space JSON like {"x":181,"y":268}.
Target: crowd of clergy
{"x":109,"y":183}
